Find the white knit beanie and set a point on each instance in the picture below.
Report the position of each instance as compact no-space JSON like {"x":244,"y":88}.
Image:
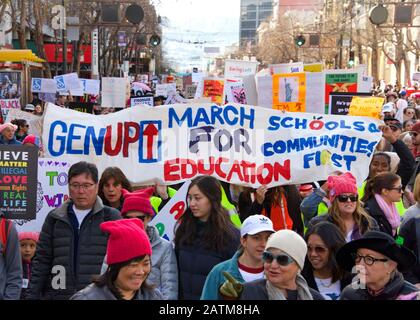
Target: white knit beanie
{"x":289,"y":242}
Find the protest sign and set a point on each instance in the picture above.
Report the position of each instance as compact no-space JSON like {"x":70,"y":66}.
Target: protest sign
{"x":416,"y":76}
{"x":339,"y":103}
{"x":174,"y":99}
{"x":11,"y":85}
{"x":366,"y":106}
{"x":250,"y":87}
{"x":313,"y":67}
{"x":43,"y":85}
{"x":366,"y":84}
{"x":47,"y":97}
{"x":190,"y":91}
{"x":315,"y":84}
{"x":265,"y":91}
{"x":142,"y":100}
{"x":114,"y":92}
{"x":197,"y":77}
{"x":214,"y":89}
{"x":340,"y":81}
{"x":239,"y":144}
{"x":284,"y":68}
{"x":86,"y":107}
{"x":18,"y":176}
{"x":67,"y":82}
{"x":165,"y":89}
{"x":35,"y":122}
{"x":51,"y":192}
{"x":237,"y":69}
{"x":289,"y":92}
{"x":235,"y":92}
{"x":8,"y":104}
{"x":166,"y":219}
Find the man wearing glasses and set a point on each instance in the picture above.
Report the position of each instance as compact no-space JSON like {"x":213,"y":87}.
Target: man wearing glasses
{"x":71,"y":246}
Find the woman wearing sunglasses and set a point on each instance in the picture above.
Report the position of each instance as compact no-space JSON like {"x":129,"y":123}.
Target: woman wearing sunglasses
{"x":22,"y":130}
{"x":284,"y":257}
{"x":164,"y":273}
{"x":346,"y":211}
{"x":378,"y":260}
{"x":381,"y":194}
{"x":321,"y":270}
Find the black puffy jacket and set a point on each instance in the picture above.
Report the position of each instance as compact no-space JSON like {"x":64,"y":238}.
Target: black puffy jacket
{"x":55,"y":251}
{"x":394,"y":290}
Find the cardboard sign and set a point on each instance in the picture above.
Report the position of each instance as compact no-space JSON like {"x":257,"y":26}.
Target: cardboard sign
{"x":366,"y":107}
{"x":142,"y":101}
{"x":85,"y":107}
{"x":239,"y":144}
{"x":8,"y":104}
{"x":289,"y":92}
{"x":18,"y":177}
{"x":166,"y":220}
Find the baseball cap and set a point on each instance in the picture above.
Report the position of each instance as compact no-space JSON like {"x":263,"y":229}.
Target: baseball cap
{"x":388,"y":107}
{"x":30,"y":107}
{"x":255,"y":224}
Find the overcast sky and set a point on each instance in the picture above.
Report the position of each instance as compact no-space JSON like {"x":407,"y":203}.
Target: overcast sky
{"x":215,"y":22}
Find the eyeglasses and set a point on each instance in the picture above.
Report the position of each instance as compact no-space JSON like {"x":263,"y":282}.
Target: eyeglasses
{"x":413,"y":134}
{"x":344,"y":198}
{"x":369,"y":261}
{"x":281,"y":259}
{"x":138,"y":217}
{"x":317,"y":249}
{"x":27,"y":125}
{"x":399,"y":189}
{"x":84,"y":186}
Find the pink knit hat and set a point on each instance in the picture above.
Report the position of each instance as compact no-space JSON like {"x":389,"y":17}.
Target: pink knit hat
{"x":29,"y":236}
{"x":138,"y":201}
{"x":127,"y":240}
{"x":33,"y":140}
{"x":345,"y":183}
{"x":8,"y":125}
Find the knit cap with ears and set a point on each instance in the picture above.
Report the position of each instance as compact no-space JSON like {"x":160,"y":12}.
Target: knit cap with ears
{"x":127,"y":240}
{"x":345,"y":183}
{"x":138,"y":201}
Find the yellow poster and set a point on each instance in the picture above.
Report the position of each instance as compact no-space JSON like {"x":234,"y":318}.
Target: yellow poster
{"x":366,"y":106}
{"x":313,"y":67}
{"x":289,"y":92}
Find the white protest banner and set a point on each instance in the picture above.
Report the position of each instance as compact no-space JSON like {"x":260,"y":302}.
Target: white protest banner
{"x":114,"y":92}
{"x":237,"y":69}
{"x":8,"y":104}
{"x":67,"y":82}
{"x":250,"y":87}
{"x":52,"y":191}
{"x":239,"y":144}
{"x":91,"y":86}
{"x":166,"y":220}
{"x":35,"y":122}
{"x":142,"y":100}
{"x":265,"y":91}
{"x":165,"y":89}
{"x":283,"y":68}
{"x":43,"y":85}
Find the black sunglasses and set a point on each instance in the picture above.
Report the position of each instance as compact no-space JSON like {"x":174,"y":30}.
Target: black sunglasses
{"x":399,"y":189}
{"x":281,"y":259}
{"x":344,"y":198}
{"x":138,"y":217}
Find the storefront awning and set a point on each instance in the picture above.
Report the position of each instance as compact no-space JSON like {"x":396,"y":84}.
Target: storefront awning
{"x":19,"y":56}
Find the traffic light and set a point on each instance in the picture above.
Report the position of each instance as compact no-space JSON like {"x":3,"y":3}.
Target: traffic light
{"x":154,"y":40}
{"x":300,"y":40}
{"x":351,"y":59}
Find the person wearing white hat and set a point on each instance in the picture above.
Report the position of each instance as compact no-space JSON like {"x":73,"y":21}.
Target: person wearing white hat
{"x":284,"y":258}
{"x":246,"y":265}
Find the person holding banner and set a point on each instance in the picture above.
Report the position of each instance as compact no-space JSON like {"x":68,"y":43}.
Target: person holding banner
{"x":346,"y":210}
{"x":129,"y":264}
{"x":246,"y":265}
{"x":164,"y":272}
{"x":7,"y":134}
{"x":280,"y":204}
{"x":71,"y":239}
{"x":204,"y":236}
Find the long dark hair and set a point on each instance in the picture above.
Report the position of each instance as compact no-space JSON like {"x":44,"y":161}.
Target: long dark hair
{"x":375,"y":185}
{"x":118,"y":176}
{"x":333,"y":238}
{"x":219,"y":230}
{"x":110,"y":276}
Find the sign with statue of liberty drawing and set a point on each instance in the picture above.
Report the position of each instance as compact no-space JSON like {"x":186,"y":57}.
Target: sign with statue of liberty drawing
{"x":289,"y":92}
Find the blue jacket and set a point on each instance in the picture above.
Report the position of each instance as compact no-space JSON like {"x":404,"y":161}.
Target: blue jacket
{"x":215,"y":278}
{"x":13,"y":141}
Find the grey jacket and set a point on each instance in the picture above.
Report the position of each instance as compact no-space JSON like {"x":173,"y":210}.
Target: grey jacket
{"x":164,"y":273}
{"x":10,"y":267}
{"x":93,"y":292}
{"x":55,"y":276}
